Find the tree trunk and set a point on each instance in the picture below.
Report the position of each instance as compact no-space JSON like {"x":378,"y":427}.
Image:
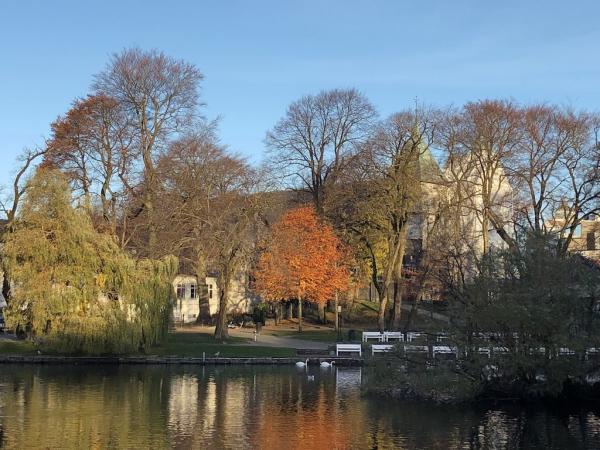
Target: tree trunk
{"x":290,"y":310}
{"x":203,"y":303}
{"x":398,"y":280}
{"x":299,"y":315}
{"x":5,"y":283}
{"x":383,"y":300}
{"x":337,"y":319}
{"x":203,"y":300}
{"x":321,"y":312}
{"x":398,"y":294}
{"x":221,"y":330}
{"x":413,"y":310}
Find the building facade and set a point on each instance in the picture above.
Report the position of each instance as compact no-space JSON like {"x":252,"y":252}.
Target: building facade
{"x":199,"y":302}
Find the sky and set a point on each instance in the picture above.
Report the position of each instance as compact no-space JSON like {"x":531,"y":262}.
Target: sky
{"x":258,"y":56}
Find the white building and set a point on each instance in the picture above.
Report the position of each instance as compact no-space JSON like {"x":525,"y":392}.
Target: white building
{"x":189,"y":304}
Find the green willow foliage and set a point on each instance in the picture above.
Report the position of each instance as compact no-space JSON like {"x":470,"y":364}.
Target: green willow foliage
{"x":75,"y":290}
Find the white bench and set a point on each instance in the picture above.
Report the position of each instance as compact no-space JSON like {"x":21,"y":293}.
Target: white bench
{"x":591,"y":351}
{"x":348,"y":348}
{"x":441,"y":337}
{"x":485,"y":351}
{"x":376,"y":335}
{"x":393,"y":335}
{"x":500,"y":350}
{"x":564,"y":351}
{"x":381,"y":348}
{"x":444,"y":350}
{"x":411,"y":336}
{"x":416,"y":349}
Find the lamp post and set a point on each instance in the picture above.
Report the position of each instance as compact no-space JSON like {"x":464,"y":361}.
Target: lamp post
{"x":338,"y":310}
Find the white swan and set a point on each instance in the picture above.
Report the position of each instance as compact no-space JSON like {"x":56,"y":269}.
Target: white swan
{"x":302,"y":364}
{"x":325,"y":364}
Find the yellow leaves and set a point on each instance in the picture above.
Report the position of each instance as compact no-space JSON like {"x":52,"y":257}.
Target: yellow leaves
{"x":100,"y":280}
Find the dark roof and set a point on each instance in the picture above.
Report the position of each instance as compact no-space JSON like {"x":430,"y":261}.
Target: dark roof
{"x":429,"y":169}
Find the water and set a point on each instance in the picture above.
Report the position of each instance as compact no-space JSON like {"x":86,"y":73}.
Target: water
{"x":254,"y":407}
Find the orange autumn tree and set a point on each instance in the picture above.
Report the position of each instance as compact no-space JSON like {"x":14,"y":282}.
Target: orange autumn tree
{"x":303,"y":260}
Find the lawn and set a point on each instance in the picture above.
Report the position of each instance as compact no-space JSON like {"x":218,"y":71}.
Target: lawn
{"x":184,"y":344}
{"x":194,"y":344}
{"x":9,"y":347}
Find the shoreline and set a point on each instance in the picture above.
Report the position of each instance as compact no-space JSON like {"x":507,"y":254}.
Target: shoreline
{"x":176,"y":360}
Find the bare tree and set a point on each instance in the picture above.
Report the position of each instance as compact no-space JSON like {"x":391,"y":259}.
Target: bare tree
{"x":312,"y":144}
{"x":388,"y":193}
{"x":479,"y":141}
{"x":214,"y":213}
{"x":92,"y":144}
{"x":555,"y":170}
{"x":159,"y":95}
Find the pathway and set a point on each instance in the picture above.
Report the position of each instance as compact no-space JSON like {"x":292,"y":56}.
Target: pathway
{"x":268,"y":340}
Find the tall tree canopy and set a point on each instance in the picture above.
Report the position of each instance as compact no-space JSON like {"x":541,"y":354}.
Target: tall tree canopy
{"x":159,"y":98}
{"x":302,"y":260}
{"x":315,"y":140}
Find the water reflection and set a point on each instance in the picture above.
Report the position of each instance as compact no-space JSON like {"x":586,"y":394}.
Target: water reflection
{"x":253,"y":407}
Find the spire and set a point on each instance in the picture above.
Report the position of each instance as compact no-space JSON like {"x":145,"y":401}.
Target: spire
{"x":427,"y":167}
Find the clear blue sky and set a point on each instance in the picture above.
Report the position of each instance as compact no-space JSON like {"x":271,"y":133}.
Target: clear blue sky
{"x":258,"y":56}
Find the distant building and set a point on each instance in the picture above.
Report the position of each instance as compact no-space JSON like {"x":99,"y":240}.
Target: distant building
{"x":586,"y":236}
{"x":200,"y":301}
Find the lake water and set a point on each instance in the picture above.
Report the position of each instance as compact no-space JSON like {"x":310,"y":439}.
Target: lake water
{"x":254,"y":407}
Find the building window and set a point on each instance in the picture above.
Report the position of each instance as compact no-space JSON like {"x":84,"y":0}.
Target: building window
{"x":591,"y":240}
{"x":192,"y":291}
{"x":210,"y":290}
{"x":577,"y":232}
{"x":181,"y":291}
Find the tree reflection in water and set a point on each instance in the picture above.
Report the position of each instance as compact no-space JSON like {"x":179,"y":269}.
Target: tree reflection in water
{"x":253,"y":407}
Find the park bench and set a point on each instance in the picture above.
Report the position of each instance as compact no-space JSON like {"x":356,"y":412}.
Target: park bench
{"x":440,"y":337}
{"x":348,"y":348}
{"x":412,"y":335}
{"x":444,"y":350}
{"x":381,"y":348}
{"x":499,"y":350}
{"x":376,"y":335}
{"x":564,"y":351}
{"x":416,"y":349}
{"x":393,"y":335}
{"x":592,"y":351}
{"x":485,"y":351}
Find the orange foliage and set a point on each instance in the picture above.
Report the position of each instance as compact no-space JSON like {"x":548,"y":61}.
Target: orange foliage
{"x":303,"y":259}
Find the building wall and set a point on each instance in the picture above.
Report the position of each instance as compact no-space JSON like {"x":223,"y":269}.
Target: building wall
{"x":586,"y":238}
{"x":187,"y":302}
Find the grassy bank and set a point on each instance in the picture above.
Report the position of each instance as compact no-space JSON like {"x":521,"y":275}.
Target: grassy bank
{"x":10,"y":347}
{"x":194,"y":344}
{"x":177,"y":344}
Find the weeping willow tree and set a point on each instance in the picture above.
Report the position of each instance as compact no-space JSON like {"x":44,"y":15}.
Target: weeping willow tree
{"x":74,"y":290}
